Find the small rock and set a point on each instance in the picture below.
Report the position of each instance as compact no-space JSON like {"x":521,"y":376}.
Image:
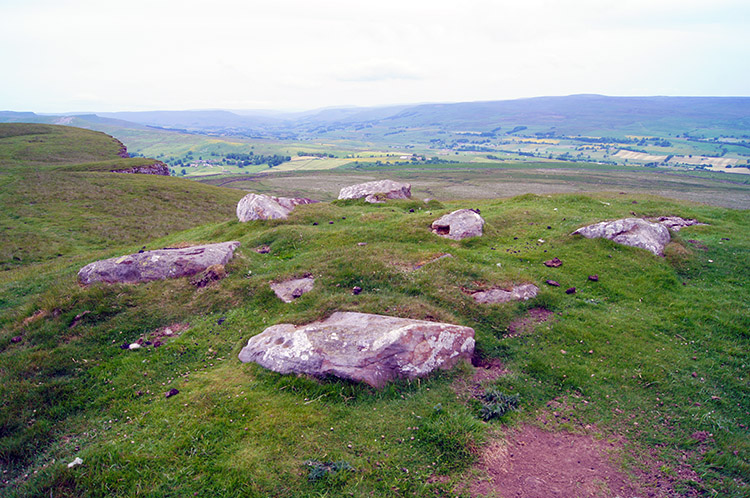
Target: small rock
{"x":76,"y":461}
{"x":694,"y":374}
{"x":571,"y":290}
{"x":553,"y":283}
{"x":264,"y":249}
{"x":411,"y":210}
{"x":330,"y":223}
{"x":157,"y":343}
{"x":135,"y":345}
{"x":315,"y":223}
{"x":221,"y":320}
{"x":172,"y":392}
{"x":16,"y":339}
{"x":356,"y":290}
{"x":361,"y":244}
{"x":125,"y":346}
{"x":290,"y":290}
{"x":553,"y":263}
{"x":594,"y":278}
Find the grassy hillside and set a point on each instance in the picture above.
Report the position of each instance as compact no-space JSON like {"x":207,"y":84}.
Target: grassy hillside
{"x":58,"y":197}
{"x":652,"y":354}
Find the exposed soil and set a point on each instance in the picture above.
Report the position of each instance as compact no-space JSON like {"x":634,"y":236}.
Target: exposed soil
{"x":535,"y":463}
{"x":489,"y":369}
{"x":526,"y":324}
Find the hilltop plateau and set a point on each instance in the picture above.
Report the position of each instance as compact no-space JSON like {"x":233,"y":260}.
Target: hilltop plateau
{"x":639,"y":373}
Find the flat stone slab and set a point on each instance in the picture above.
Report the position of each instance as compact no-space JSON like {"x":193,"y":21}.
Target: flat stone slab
{"x":522,"y":292}
{"x":362,"y":347}
{"x":158,"y":265}
{"x":265,"y":207}
{"x":675,"y":222}
{"x":376,"y":192}
{"x":292,"y":289}
{"x":459,"y":224}
{"x":635,"y":232}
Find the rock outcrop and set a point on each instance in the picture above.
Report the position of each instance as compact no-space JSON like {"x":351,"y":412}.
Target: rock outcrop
{"x":158,"y":168}
{"x":292,"y":289}
{"x":374,"y":349}
{"x":459,"y":224}
{"x":265,"y":207}
{"x":635,"y":232}
{"x":522,"y":292}
{"x":158,"y":265}
{"x":675,"y":222}
{"x":375,"y":192}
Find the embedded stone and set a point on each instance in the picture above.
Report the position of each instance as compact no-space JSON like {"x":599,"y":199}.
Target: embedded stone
{"x":459,"y":224}
{"x":634,"y":232}
{"x":373,"y":349}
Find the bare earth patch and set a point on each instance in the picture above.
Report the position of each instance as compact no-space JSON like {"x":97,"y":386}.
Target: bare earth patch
{"x":534,"y":463}
{"x":526,"y":324}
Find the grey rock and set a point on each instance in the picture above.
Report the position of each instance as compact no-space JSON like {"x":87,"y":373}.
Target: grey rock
{"x":292,"y":289}
{"x":376,"y":192}
{"x":635,"y":232}
{"x":459,"y":224}
{"x":157,"y":265}
{"x":158,"y":168}
{"x":265,"y":207}
{"x":374,"y":349}
{"x":522,"y":292}
{"x":675,"y":222}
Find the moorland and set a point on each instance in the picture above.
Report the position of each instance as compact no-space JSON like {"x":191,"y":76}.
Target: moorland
{"x":649,"y":363}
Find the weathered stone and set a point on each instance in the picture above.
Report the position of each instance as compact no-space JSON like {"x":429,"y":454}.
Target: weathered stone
{"x":553,"y":283}
{"x":518,"y":293}
{"x":265,"y":207}
{"x":171,"y":392}
{"x":374,"y":349}
{"x":553,"y":263}
{"x":459,"y":224}
{"x":571,"y":290}
{"x":292,"y":289}
{"x":594,"y":278}
{"x":675,"y":222}
{"x":158,"y":265}
{"x":158,"y":168}
{"x":635,"y":232}
{"x":375,"y":192}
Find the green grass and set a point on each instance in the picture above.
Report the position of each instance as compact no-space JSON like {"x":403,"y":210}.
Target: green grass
{"x":631,"y":343}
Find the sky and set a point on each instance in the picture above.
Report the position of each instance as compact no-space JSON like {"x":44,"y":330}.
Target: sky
{"x":94,"y":55}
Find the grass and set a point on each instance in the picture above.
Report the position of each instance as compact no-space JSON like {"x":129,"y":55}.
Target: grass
{"x":620,"y":353}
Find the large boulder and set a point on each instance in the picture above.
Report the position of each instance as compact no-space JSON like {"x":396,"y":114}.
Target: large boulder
{"x":265,"y":207}
{"x":634,"y":232}
{"x":522,"y":292}
{"x":375,"y":192}
{"x":290,"y":290}
{"x":158,"y":265}
{"x":362,"y":347}
{"x":459,"y":224}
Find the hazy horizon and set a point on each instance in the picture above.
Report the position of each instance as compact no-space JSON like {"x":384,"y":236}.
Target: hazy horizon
{"x":291,"y":55}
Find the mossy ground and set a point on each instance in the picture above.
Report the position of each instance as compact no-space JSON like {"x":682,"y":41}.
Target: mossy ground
{"x":653,"y":352}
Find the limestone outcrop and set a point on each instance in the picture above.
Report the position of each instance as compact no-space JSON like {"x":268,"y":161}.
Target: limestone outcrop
{"x":265,"y":207}
{"x":158,"y":168}
{"x":376,"y":192}
{"x":635,"y":232}
{"x":459,"y":224}
{"x":362,"y":347}
{"x":158,"y":265}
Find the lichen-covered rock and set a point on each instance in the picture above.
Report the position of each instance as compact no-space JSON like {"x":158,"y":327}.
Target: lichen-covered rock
{"x":375,"y":192}
{"x":635,"y":232}
{"x":522,"y":292}
{"x":290,"y":290}
{"x":158,"y":265}
{"x":265,"y":207}
{"x":374,"y":349}
{"x":459,"y":224}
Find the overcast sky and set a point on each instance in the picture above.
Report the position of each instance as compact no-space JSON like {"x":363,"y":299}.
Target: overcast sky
{"x":98,"y":55}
